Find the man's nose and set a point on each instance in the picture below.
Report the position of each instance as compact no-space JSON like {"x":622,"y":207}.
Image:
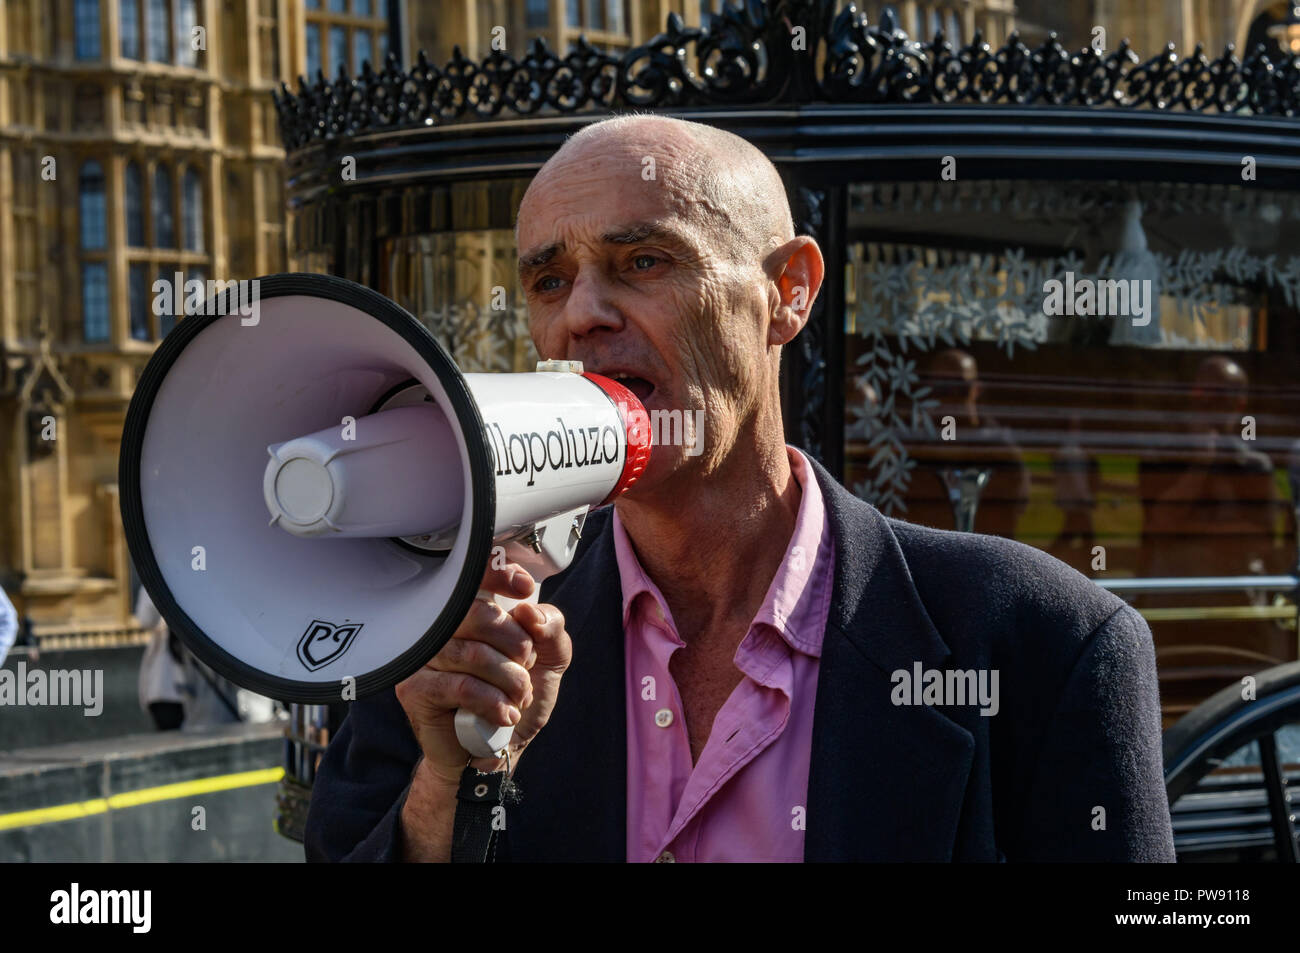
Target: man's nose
{"x":591,"y":306}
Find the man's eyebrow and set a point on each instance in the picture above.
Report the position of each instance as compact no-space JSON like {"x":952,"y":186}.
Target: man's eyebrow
{"x":539,"y":257}
{"x":643,"y":232}
{"x":631,"y":235}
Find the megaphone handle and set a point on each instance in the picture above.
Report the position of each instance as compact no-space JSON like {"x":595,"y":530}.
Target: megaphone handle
{"x":479,"y":737}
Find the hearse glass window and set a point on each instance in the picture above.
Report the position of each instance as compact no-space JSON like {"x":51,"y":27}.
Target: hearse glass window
{"x":459,"y":276}
{"x":1108,"y":372}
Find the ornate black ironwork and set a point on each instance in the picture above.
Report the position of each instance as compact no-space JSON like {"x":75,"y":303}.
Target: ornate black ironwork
{"x":810,"y":345}
{"x":759,"y":53}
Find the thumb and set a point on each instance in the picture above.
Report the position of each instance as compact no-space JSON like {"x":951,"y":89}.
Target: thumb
{"x":545,"y":625}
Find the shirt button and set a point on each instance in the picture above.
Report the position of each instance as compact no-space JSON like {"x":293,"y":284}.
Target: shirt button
{"x":666,"y":858}
{"x":663,"y":718}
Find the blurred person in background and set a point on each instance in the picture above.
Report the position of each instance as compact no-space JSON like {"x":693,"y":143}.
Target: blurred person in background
{"x":162,"y":673}
{"x":8,"y":625}
{"x":176,"y":689}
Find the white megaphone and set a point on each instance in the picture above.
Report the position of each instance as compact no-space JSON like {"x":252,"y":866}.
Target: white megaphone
{"x":312,"y":497}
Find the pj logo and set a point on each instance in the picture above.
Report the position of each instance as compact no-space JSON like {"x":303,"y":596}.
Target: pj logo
{"x":323,"y":642}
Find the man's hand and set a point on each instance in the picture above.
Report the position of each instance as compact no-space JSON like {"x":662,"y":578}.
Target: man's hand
{"x":504,"y":667}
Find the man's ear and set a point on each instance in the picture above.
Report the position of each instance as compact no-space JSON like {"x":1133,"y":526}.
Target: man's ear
{"x":797,"y":269}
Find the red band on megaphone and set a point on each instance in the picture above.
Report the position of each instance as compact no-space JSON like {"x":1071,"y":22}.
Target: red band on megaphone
{"x":636,"y":424}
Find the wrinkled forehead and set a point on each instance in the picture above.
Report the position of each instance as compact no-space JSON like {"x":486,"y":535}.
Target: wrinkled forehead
{"x":584,"y":193}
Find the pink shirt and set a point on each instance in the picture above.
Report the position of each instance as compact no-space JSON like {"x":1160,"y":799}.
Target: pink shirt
{"x":746,"y":799}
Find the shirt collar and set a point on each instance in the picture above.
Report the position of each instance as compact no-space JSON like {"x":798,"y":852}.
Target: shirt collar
{"x":632,"y":577}
{"x":799,"y":594}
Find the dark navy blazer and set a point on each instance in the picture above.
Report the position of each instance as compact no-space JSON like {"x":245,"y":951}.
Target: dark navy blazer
{"x":1068,"y":769}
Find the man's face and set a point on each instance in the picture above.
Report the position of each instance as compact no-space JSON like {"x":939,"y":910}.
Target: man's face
{"x":616,"y":277}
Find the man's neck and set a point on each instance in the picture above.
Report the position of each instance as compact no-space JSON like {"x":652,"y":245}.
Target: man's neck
{"x":713,"y":545}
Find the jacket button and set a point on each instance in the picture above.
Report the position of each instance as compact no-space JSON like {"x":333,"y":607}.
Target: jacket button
{"x":666,"y":858}
{"x":663,"y":718}
{"x":480,"y":790}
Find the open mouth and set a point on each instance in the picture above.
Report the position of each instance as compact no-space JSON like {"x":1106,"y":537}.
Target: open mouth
{"x":639,"y":386}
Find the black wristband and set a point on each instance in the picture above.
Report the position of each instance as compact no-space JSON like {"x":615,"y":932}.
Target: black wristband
{"x":480,"y":814}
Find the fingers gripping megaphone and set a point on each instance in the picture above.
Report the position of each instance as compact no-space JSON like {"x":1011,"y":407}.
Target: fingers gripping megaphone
{"x":312,"y":498}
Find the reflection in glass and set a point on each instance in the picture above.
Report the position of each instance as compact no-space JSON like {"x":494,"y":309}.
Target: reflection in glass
{"x":537,"y":14}
{"x":90,"y":190}
{"x":192,"y":209}
{"x":164,"y":234}
{"x":85,"y":17}
{"x":186,"y":52}
{"x":1120,"y":359}
{"x":94,"y":302}
{"x":140,"y":301}
{"x":128,"y":25}
{"x":360,"y":48}
{"x":134,"y":205}
{"x":313,"y":49}
{"x":167,"y":320}
{"x":158,"y":30}
{"x":448,"y":281}
{"x":338,"y":48}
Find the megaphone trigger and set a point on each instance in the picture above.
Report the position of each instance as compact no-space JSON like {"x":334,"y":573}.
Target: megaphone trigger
{"x":480,"y":738}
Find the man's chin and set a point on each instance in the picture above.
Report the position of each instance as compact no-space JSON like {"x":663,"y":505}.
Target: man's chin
{"x":667,"y":466}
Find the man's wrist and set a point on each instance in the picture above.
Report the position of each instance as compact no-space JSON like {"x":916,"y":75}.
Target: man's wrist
{"x":436,"y":777}
{"x":428,"y":815}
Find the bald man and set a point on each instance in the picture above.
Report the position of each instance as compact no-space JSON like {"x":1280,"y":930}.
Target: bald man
{"x":744,"y":662}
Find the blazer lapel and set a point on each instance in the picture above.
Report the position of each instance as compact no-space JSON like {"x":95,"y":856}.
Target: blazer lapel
{"x":573,"y":777}
{"x":886,"y":781}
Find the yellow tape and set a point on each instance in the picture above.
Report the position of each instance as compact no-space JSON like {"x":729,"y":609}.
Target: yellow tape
{"x":165,"y":792}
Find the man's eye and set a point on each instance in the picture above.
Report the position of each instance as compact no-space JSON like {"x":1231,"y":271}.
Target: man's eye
{"x":549,"y":283}
{"x":644,"y":262}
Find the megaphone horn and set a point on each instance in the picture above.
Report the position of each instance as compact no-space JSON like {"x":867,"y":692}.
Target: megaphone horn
{"x":312,"y":499}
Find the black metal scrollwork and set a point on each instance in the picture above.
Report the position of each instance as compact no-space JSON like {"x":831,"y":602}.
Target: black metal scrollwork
{"x":764,"y":53}
{"x":811,"y":342}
